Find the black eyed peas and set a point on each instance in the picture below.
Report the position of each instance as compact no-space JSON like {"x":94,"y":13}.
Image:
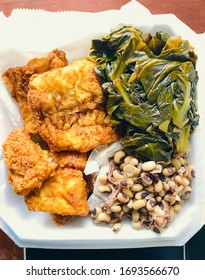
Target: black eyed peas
{"x":104,"y":217}
{"x":119,"y":156}
{"x":148,"y":165}
{"x":150,"y":194}
{"x":123,"y":198}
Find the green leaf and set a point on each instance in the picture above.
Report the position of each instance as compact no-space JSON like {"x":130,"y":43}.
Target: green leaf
{"x":150,"y":86}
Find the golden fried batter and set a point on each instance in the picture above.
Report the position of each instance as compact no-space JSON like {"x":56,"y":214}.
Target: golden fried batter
{"x":66,"y":104}
{"x":62,"y":107}
{"x":73,"y":88}
{"x":17,"y":80}
{"x":62,"y":194}
{"x":60,"y":219}
{"x":70,"y":159}
{"x":87,"y":132}
{"x":28,"y":165}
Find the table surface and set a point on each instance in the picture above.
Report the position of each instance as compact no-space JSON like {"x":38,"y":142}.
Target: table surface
{"x":191,"y":12}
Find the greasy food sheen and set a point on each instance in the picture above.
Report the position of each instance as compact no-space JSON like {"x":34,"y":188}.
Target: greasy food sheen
{"x":64,"y":194}
{"x":66,"y":105}
{"x":70,"y":159}
{"x":28,"y":165}
{"x":17,"y":80}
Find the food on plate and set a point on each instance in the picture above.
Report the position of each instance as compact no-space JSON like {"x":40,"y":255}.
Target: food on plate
{"x":63,"y":194}
{"x":56,"y":99}
{"x":61,"y":219}
{"x":28,"y":165}
{"x":150,"y":83}
{"x":149,"y":193}
{"x":70,"y":159}
{"x":133,"y":89}
{"x":17,"y":79}
{"x":66,"y":103}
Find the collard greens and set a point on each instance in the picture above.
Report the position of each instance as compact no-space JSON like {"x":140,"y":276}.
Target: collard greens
{"x":150,"y":88}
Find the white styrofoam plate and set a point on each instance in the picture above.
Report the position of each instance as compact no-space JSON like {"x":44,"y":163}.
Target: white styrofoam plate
{"x":30,"y":229}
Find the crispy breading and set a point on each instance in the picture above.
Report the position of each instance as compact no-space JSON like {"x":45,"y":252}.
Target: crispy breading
{"x":87,"y":132}
{"x":62,"y":107}
{"x":66,"y":103}
{"x":62,"y":194}
{"x":73,"y":88}
{"x":17,"y":80}
{"x":28,"y":165}
{"x":60,"y":219}
{"x":70,"y":159}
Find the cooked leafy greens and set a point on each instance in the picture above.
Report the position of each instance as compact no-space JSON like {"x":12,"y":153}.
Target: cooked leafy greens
{"x":150,"y":88}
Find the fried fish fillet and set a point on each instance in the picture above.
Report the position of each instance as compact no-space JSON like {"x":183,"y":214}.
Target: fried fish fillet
{"x":88,"y":131}
{"x":63,"y":194}
{"x":66,"y":103}
{"x":17,"y":80}
{"x":28,"y":165}
{"x":70,"y":159}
